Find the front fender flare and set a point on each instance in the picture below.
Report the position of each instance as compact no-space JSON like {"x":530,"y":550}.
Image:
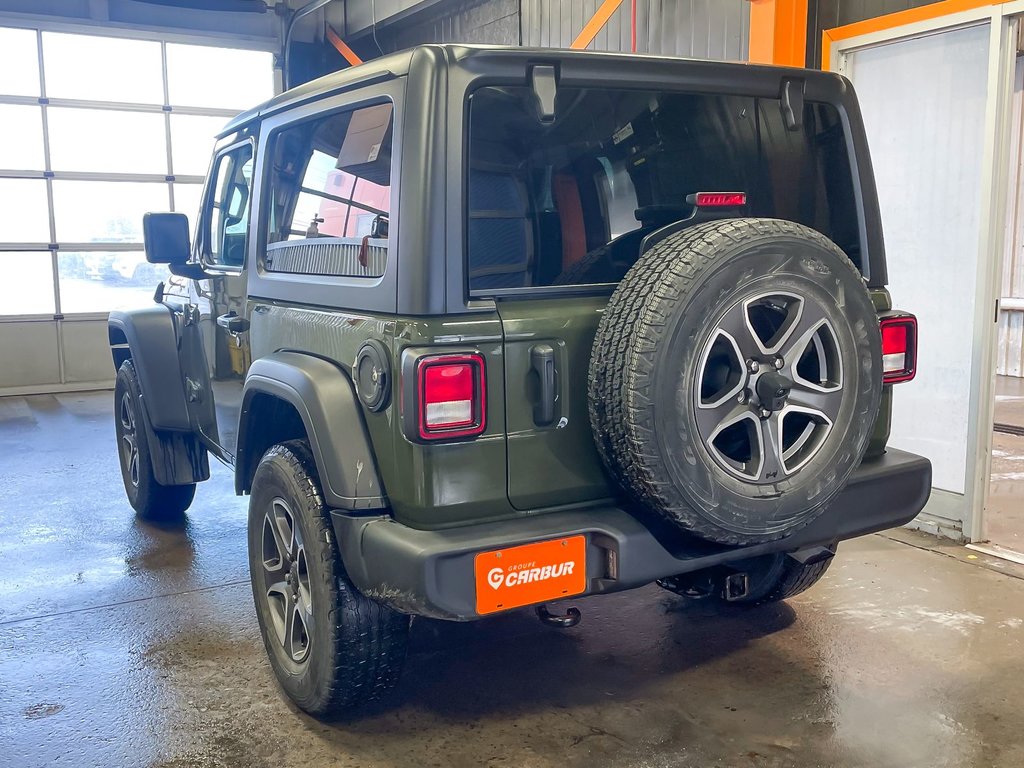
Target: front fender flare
{"x":326,"y":401}
{"x":153,"y":344}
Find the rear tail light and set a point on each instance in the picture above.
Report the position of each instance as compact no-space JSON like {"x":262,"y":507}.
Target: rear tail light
{"x":451,"y":396}
{"x":899,"y":347}
{"x":718,"y":199}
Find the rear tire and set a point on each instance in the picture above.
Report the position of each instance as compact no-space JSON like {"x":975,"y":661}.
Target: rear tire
{"x":332,"y":649}
{"x":773,"y":578}
{"x":735,"y":378}
{"x":150,"y":500}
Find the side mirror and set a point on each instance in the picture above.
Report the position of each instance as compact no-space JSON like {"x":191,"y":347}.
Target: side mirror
{"x":379,"y":226}
{"x":166,"y":238}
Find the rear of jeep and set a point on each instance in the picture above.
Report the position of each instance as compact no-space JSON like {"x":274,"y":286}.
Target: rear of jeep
{"x":629,"y":324}
{"x":647,"y":288}
{"x":644,"y":287}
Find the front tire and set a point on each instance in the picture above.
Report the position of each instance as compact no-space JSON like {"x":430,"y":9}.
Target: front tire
{"x":331,"y":648}
{"x":150,"y":500}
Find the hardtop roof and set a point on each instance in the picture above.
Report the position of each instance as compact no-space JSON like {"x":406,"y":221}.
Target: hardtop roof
{"x":397,"y":64}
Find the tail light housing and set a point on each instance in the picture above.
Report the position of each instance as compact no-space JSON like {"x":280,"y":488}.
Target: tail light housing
{"x":451,"y":396}
{"x":899,"y":347}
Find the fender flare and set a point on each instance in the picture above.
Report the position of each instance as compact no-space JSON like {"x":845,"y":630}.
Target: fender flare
{"x":153,"y":345}
{"x":179,"y":457}
{"x":323,"y":395}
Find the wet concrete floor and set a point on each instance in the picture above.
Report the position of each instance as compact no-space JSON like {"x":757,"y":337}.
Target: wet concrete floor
{"x":122,"y":644}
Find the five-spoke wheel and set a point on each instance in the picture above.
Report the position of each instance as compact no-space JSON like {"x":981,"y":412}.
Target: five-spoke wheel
{"x":331,"y":648}
{"x":129,"y":443}
{"x":286,"y":581}
{"x":770,"y":384}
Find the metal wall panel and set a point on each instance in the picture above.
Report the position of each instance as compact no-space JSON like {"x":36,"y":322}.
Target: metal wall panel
{"x":491,"y":22}
{"x":1010,"y":361}
{"x":826,"y":14}
{"x":708,"y":29}
{"x":704,"y":29}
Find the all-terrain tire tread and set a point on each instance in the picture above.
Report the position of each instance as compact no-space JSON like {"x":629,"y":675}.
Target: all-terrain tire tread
{"x":632,"y":328}
{"x":371,"y":638}
{"x":795,"y":578}
{"x":153,"y":501}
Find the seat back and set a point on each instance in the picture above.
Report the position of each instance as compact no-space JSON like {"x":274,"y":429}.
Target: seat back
{"x":500,"y":232}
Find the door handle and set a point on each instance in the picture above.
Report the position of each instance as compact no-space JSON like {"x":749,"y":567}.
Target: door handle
{"x":542,"y":362}
{"x":233,"y":323}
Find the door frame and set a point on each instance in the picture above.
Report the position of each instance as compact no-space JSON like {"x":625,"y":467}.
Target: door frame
{"x":1003,"y":17}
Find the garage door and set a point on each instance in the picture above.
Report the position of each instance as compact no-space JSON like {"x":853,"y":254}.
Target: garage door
{"x":97,"y":131}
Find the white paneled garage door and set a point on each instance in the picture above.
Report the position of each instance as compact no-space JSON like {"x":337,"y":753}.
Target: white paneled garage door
{"x":96,"y":132}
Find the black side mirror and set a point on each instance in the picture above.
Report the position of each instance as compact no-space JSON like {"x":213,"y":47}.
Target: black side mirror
{"x":166,"y":238}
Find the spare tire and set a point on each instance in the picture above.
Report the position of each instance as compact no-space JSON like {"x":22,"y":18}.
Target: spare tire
{"x":735,"y":378}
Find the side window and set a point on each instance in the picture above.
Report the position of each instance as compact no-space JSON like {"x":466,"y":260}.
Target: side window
{"x":330,"y":187}
{"x":227,"y":208}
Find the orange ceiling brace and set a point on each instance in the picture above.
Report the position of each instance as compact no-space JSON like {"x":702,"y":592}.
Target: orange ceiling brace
{"x":598,"y":20}
{"x":778,"y":32}
{"x":898,"y":19}
{"x":344,"y":50}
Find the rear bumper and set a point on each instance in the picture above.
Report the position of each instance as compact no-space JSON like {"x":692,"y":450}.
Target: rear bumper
{"x":431,"y":573}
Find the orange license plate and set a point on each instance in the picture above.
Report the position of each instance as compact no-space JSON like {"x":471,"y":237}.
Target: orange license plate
{"x":531,"y":573}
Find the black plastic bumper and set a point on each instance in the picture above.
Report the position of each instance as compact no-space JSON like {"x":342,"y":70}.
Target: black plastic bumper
{"x":430,"y":573}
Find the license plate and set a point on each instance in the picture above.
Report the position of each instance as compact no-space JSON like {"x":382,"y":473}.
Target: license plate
{"x":531,"y":573}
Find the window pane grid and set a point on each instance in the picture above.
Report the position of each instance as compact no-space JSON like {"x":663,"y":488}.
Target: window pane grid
{"x":98,"y":146}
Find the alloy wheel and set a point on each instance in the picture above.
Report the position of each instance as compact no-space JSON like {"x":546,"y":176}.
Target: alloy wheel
{"x":769,"y":386}
{"x":286,"y":581}
{"x":129,"y":439}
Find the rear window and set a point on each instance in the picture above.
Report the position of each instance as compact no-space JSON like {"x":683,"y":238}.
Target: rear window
{"x":568,"y":202}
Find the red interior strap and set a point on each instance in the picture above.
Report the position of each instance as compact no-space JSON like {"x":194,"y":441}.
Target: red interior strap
{"x":570,"y":216}
{"x":363,"y":248}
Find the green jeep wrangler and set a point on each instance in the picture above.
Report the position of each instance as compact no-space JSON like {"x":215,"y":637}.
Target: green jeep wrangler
{"x":482,"y":328}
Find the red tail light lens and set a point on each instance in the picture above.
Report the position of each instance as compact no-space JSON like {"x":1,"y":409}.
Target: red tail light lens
{"x":719,"y":199}
{"x":451,"y":394}
{"x":899,"y":347}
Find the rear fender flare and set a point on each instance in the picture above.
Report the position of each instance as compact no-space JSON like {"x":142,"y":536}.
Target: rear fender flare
{"x":323,"y":396}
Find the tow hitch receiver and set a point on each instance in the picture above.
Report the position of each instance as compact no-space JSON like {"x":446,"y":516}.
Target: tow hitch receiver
{"x":719,"y":581}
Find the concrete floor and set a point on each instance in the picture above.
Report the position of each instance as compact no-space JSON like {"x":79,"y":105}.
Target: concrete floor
{"x":122,"y":644}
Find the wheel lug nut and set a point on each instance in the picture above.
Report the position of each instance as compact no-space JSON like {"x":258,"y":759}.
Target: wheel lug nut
{"x":753,"y":366}
{"x":741,"y":398}
{"x":765,"y":413}
{"x":779,"y":362}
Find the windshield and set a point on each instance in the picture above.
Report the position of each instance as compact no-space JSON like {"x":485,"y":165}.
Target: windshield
{"x":568,"y":202}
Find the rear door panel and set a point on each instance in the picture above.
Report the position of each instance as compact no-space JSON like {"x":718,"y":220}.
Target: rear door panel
{"x":557,"y":463}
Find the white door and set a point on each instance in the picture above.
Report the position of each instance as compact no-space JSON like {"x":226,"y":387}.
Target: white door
{"x":924,"y":101}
